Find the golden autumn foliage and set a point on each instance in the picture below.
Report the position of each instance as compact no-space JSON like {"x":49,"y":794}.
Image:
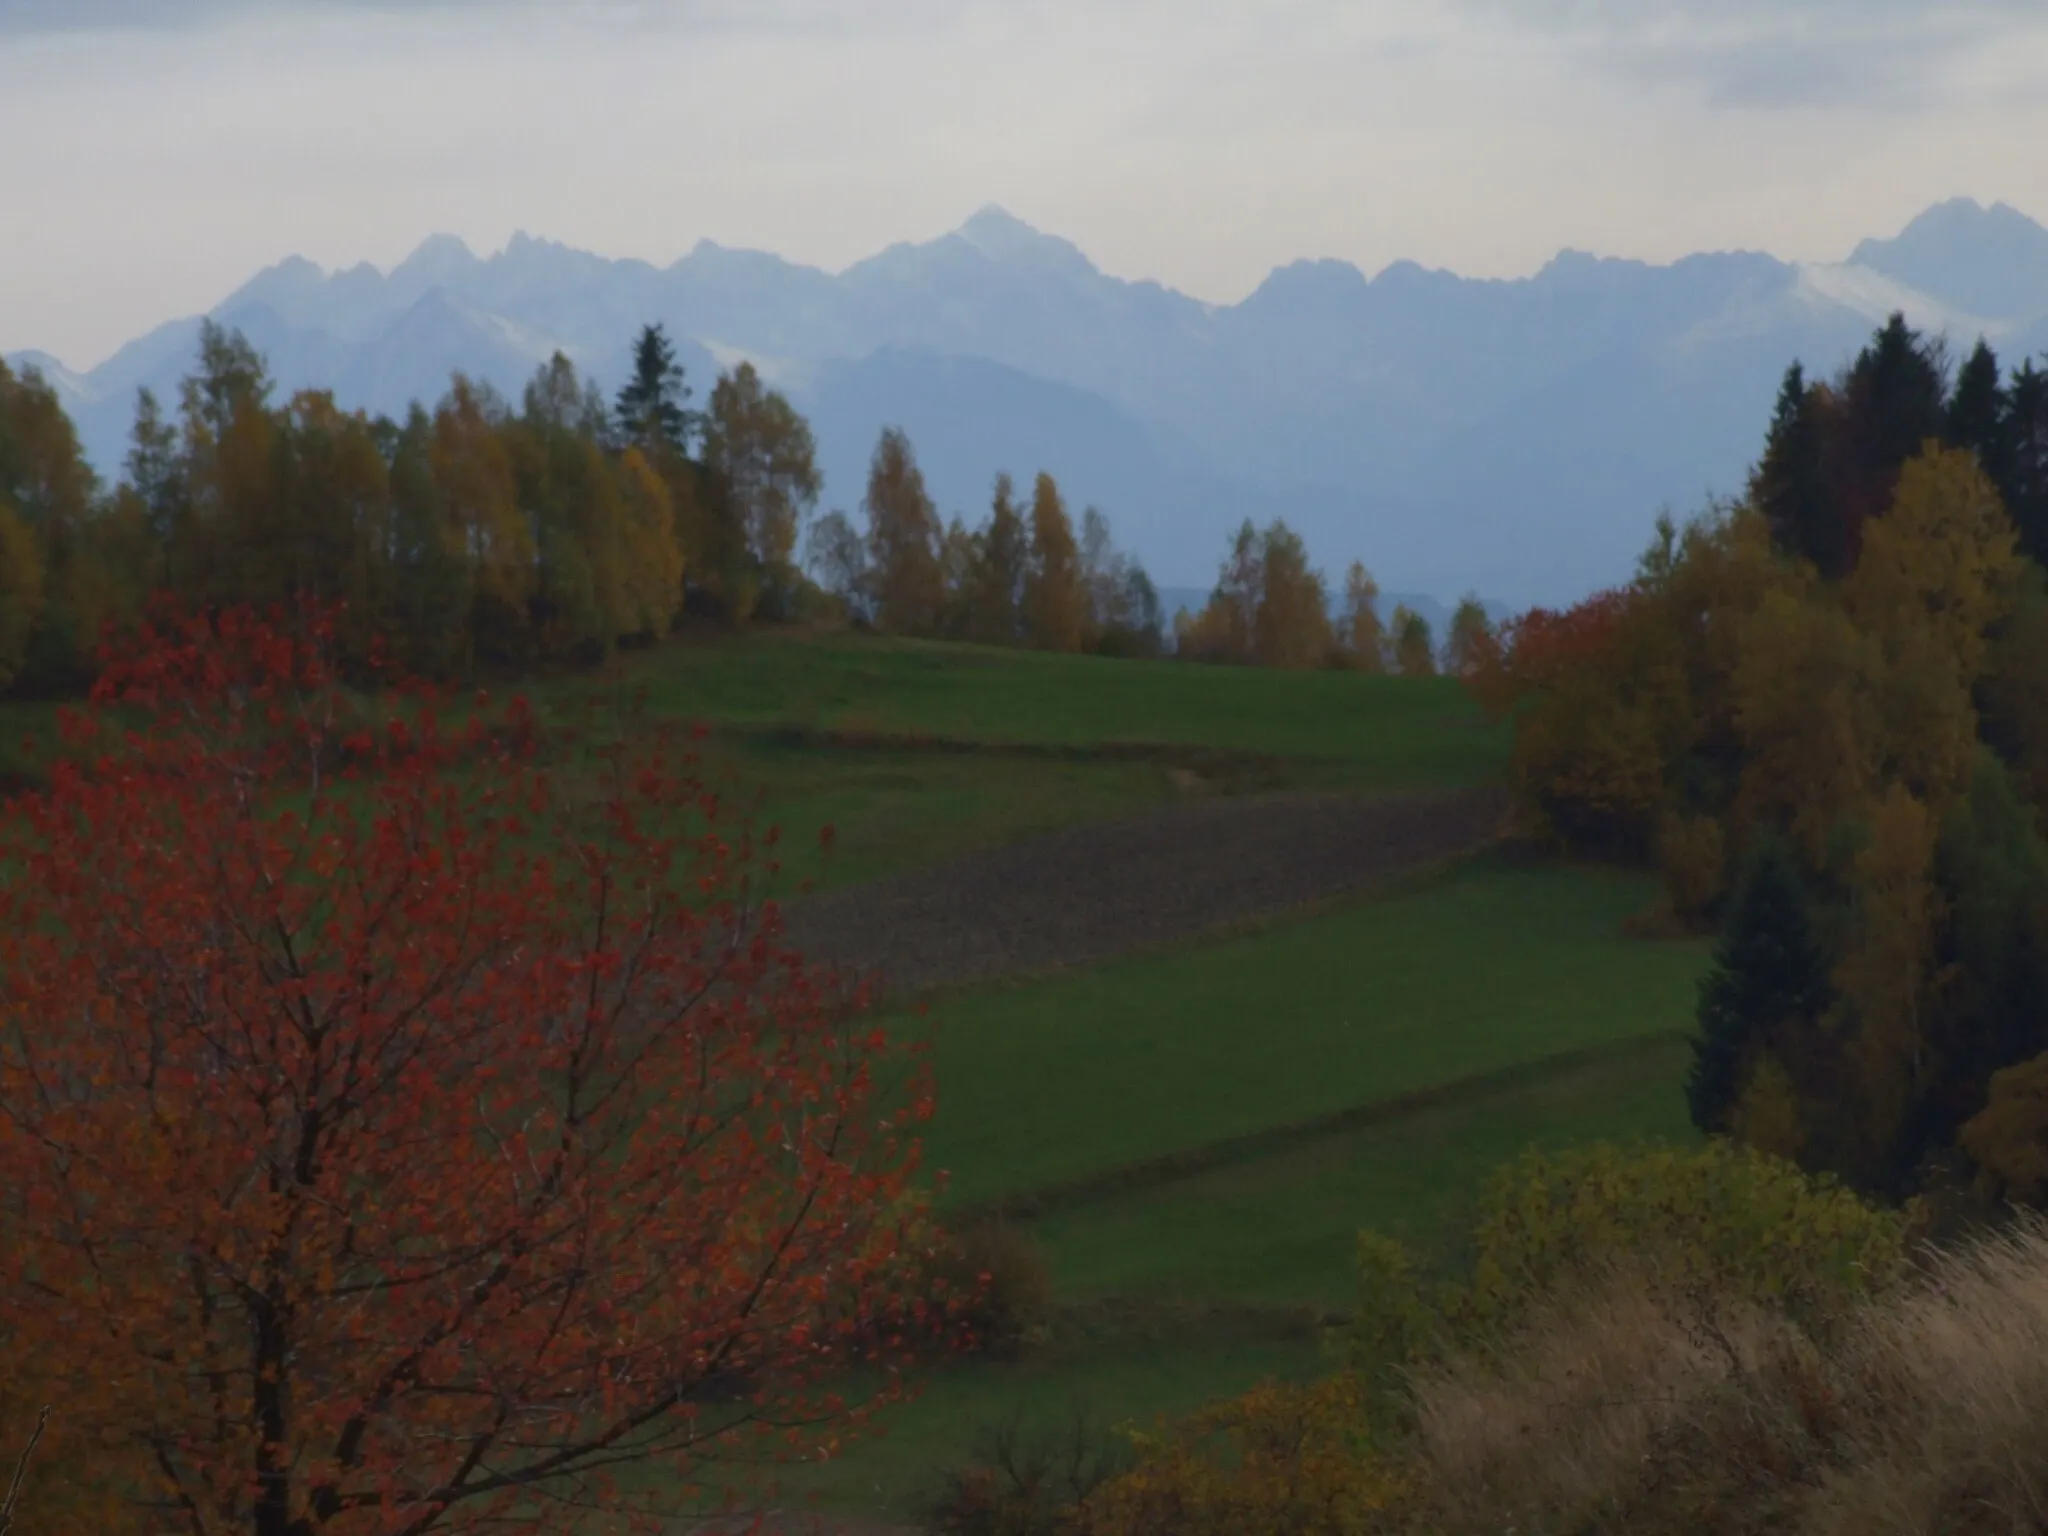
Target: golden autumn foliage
{"x":1361,"y":635}
{"x":472,"y":470}
{"x":1471,"y":640}
{"x":1884,"y":974}
{"x":1943,"y":558}
{"x":1055,"y":595}
{"x":2008,"y":1138}
{"x":1804,"y":692}
{"x":1270,"y":608}
{"x":1279,"y":1460}
{"x":762,"y":450}
{"x":654,"y":556}
{"x":903,"y":535}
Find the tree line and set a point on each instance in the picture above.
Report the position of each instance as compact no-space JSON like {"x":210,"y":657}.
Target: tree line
{"x":470,"y":533}
{"x":1822,"y":711}
{"x":1024,"y":577}
{"x":481,"y":532}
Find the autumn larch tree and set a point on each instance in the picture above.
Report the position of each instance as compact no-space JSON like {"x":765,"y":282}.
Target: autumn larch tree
{"x":1291,"y":623}
{"x":903,"y":537}
{"x":1002,"y":553}
{"x":387,"y":1148}
{"x":1055,"y":591}
{"x":1470,"y":641}
{"x":1360,"y":633}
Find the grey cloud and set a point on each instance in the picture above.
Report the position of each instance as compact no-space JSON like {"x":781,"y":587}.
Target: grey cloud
{"x":25,"y":17}
{"x":1640,"y":16}
{"x":50,"y":16}
{"x":1875,"y":55}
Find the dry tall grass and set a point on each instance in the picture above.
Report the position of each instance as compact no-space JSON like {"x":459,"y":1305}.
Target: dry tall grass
{"x":1633,"y":1402}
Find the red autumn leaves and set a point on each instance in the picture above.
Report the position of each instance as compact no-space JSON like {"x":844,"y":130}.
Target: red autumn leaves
{"x":393,"y":1122}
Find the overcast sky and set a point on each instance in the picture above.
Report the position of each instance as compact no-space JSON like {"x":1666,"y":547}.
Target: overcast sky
{"x":155,"y":153}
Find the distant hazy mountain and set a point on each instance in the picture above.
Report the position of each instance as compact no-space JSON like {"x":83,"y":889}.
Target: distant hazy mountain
{"x":1510,"y":437}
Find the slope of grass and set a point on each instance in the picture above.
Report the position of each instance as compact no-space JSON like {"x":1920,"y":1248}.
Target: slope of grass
{"x":894,"y":1462}
{"x":1485,"y":968}
{"x":1281,"y":1229}
{"x":1380,"y":732}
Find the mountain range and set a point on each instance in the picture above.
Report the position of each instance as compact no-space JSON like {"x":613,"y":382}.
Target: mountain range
{"x":1511,"y":436}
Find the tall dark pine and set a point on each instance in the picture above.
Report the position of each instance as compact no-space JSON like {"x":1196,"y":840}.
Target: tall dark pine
{"x":1991,"y":871}
{"x":1977,"y":415}
{"x":2026,"y":447}
{"x":1769,"y":973}
{"x":651,"y":407}
{"x":1791,"y":487}
{"x":1894,"y":399}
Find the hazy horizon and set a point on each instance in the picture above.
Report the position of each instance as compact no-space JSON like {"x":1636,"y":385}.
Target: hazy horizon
{"x":181,"y":146}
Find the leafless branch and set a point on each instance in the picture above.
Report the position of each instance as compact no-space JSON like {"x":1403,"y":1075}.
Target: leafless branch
{"x":21,"y":1473}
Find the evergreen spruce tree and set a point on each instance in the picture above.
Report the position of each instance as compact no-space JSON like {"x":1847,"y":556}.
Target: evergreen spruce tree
{"x":1790,"y":486}
{"x":1769,"y":971}
{"x":1992,"y":873}
{"x":2025,"y":488}
{"x":1895,"y":397}
{"x":1977,"y":413}
{"x":653,"y":416}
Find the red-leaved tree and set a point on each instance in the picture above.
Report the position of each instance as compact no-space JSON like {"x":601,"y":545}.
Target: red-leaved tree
{"x":399,"y":1133}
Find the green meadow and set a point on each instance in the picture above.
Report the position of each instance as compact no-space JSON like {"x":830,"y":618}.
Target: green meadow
{"x":1194,"y":1137}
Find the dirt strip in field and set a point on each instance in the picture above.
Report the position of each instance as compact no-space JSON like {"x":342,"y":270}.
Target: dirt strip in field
{"x":1088,"y":894}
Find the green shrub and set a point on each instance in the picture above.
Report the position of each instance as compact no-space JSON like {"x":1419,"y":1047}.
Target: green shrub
{"x":1721,"y":1218}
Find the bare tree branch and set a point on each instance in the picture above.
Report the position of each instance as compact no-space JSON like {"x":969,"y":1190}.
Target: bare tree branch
{"x":21,"y":1473}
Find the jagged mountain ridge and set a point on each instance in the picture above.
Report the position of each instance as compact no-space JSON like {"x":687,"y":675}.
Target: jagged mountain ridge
{"x":1513,"y":436}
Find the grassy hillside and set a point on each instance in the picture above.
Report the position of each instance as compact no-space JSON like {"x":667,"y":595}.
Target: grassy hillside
{"x":1192,"y":1137}
{"x":1372,"y":732}
{"x":1489,"y":967}
{"x":915,"y":751}
{"x":1365,"y":1067}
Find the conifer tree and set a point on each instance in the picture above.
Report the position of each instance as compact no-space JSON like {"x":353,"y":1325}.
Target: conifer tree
{"x":1977,"y":417}
{"x":1991,"y":872}
{"x":1894,"y":398}
{"x":1790,"y":485}
{"x":1769,"y":975}
{"x":2025,"y":488}
{"x":653,"y":411}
